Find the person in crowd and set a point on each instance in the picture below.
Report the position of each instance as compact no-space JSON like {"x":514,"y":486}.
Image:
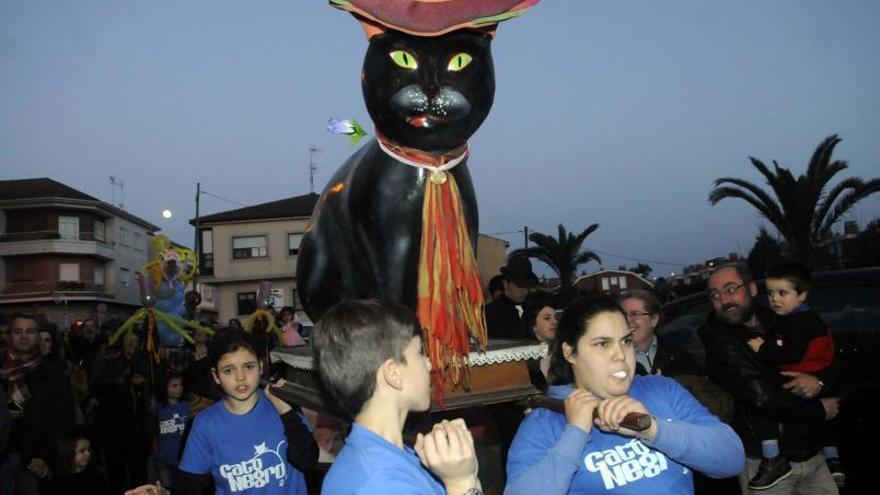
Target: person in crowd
{"x":290,"y":328}
{"x":496,"y":287}
{"x":799,"y":341}
{"x":371,"y":358}
{"x":234,"y":323}
{"x":760,"y":391}
{"x":539,"y":315}
{"x":504,"y":315}
{"x":172,"y":413}
{"x":586,"y":448}
{"x":122,"y":416}
{"x":642,"y":310}
{"x":40,"y":405}
{"x":85,"y":343}
{"x":75,"y":471}
{"x":250,"y":441}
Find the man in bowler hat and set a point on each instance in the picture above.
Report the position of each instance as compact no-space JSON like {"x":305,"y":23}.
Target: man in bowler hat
{"x":504,"y":315}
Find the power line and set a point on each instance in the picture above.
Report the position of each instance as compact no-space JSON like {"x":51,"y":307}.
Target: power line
{"x":606,"y":253}
{"x":206,"y":193}
{"x":630,"y":258}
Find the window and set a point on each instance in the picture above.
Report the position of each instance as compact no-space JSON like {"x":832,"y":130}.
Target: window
{"x":613,"y":280}
{"x":99,"y":275}
{"x":99,"y":230}
{"x":136,"y":241}
{"x":293,"y":241}
{"x":206,"y":257}
{"x":124,"y":236}
{"x":247,"y":303}
{"x":207,"y":242}
{"x":249,"y":247}
{"x":622,"y":283}
{"x":605,"y":285}
{"x":124,"y":277}
{"x":68,"y":227}
{"x":68,"y":272}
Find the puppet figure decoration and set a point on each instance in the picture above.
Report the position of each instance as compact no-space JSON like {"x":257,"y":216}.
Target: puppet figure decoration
{"x":398,"y":220}
{"x":170,"y":271}
{"x":263,"y":316}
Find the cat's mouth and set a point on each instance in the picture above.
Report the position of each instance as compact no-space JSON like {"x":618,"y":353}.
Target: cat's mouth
{"x":426,"y":121}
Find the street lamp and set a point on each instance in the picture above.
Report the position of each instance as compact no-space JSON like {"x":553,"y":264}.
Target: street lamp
{"x":166,"y":214}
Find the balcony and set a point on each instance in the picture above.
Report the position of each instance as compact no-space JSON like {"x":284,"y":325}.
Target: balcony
{"x":55,"y":242}
{"x":68,"y":287}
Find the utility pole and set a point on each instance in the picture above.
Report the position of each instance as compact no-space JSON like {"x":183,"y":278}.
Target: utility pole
{"x":526,"y":236}
{"x":312,"y":167}
{"x":197,"y":243}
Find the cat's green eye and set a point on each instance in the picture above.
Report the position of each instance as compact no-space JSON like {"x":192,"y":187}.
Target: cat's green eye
{"x":459,"y":62}
{"x":404,"y":59}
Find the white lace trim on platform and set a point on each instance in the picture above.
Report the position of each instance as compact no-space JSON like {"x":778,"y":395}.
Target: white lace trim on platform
{"x":493,"y":356}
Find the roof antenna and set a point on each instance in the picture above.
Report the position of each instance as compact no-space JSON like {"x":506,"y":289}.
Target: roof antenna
{"x":312,"y":167}
{"x":113,"y":184}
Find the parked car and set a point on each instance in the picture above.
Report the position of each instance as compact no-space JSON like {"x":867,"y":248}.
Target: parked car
{"x":849,"y":302}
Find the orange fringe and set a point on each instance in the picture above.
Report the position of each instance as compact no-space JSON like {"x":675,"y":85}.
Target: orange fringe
{"x":450,"y":295}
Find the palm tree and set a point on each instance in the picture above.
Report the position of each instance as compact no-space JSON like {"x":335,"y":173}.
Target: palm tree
{"x":804,"y":209}
{"x":562,"y":254}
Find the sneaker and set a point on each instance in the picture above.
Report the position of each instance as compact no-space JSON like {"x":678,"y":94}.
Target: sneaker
{"x":836,"y":468}
{"x":770,"y":472}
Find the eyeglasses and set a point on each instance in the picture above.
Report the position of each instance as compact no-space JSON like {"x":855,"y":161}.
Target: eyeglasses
{"x":727,"y":291}
{"x":637,"y":314}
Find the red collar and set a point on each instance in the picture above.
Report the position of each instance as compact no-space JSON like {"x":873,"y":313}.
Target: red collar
{"x":417,"y":157}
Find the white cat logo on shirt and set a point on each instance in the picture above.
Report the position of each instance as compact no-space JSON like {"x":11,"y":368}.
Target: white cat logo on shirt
{"x":258,"y":471}
{"x":626,"y":463}
{"x":172,"y":425}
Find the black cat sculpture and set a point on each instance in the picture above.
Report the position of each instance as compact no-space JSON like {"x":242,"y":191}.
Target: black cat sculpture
{"x":365,"y":232}
{"x":398,"y":221}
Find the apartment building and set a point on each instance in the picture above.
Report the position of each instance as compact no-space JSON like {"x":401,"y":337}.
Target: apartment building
{"x":66,"y":254}
{"x":243,"y":247}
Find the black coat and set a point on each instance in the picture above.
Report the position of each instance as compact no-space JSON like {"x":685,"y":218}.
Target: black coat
{"x":757,"y":389}
{"x":503,"y":320}
{"x":48,"y":414}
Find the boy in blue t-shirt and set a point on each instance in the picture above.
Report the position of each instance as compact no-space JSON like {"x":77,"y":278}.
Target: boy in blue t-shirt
{"x":370,"y":358}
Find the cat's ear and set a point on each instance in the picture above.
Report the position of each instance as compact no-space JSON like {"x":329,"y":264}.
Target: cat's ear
{"x":370,"y":28}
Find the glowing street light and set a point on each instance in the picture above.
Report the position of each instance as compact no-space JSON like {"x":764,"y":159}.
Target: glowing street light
{"x":166,"y":213}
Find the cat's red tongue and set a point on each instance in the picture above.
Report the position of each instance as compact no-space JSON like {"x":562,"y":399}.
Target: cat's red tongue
{"x":419,"y":121}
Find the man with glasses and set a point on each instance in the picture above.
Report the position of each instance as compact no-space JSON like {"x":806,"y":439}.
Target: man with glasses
{"x":40,"y":403}
{"x":761,"y":391}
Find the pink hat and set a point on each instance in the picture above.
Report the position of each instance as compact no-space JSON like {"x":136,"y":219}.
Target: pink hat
{"x":433,"y":17}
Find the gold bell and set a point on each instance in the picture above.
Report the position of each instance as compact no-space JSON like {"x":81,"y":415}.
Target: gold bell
{"x":438,"y":177}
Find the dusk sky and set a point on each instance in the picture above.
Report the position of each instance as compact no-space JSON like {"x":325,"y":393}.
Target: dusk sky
{"x":616,"y":112}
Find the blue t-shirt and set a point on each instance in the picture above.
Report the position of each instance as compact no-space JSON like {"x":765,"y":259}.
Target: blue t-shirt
{"x":369,"y":464}
{"x":172,"y":423}
{"x":245,"y":454}
{"x":549,"y":456}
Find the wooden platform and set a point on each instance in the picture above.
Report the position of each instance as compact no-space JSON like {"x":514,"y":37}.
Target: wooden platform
{"x":498,"y":375}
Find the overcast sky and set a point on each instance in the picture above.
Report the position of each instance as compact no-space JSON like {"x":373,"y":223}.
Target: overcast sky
{"x":616,"y":112}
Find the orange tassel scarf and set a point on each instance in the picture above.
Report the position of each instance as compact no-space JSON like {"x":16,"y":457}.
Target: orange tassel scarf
{"x":450,"y":294}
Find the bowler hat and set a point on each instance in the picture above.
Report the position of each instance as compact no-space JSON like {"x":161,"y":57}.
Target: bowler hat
{"x":519,"y":271}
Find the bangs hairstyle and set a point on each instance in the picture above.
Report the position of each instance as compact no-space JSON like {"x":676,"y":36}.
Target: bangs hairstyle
{"x":795,"y":273}
{"x":573,"y":325}
{"x":229,"y":340}
{"x":351,"y":342}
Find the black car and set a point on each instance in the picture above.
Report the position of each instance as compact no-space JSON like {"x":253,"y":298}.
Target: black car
{"x":849,"y":302}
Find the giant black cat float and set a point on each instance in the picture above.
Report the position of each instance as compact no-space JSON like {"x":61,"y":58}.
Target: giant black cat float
{"x":398,"y":220}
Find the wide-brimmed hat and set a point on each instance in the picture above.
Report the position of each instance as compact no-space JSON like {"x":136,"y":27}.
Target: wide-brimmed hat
{"x":519,"y":271}
{"x":434,"y":17}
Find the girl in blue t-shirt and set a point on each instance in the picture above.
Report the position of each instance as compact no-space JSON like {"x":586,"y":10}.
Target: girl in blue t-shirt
{"x":172,"y":414}
{"x":250,"y":442}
